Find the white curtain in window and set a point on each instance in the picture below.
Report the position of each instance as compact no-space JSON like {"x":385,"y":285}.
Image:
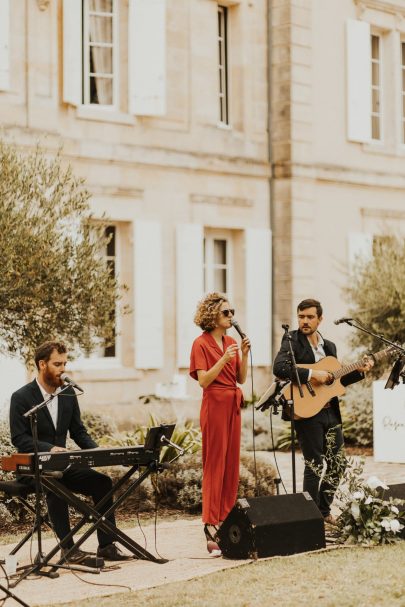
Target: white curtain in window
{"x":101,"y":34}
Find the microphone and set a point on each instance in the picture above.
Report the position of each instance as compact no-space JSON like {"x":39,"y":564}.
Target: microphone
{"x":69,"y":381}
{"x":235,"y":325}
{"x":340,"y":320}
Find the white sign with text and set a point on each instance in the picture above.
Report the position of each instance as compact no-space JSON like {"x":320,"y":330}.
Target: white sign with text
{"x":389,"y":423}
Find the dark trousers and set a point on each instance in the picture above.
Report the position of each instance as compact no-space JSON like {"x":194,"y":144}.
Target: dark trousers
{"x":311,"y":434}
{"x":85,"y":482}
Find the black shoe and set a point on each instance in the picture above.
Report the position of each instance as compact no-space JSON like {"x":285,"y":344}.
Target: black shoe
{"x":77,"y":557}
{"x":210,"y":532}
{"x":111,"y":552}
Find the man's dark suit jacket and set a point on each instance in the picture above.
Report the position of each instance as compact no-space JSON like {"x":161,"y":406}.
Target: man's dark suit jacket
{"x":304,"y":355}
{"x":48,"y":436}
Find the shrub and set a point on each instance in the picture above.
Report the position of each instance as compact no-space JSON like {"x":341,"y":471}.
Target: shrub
{"x":98,"y":426}
{"x":357,"y":415}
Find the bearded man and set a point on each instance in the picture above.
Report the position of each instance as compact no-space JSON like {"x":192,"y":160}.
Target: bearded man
{"x":60,"y":416}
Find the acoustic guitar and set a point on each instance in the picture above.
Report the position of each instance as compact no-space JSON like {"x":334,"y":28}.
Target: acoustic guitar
{"x":316,"y":396}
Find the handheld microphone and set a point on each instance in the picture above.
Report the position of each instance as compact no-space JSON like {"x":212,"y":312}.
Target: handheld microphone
{"x":340,"y":320}
{"x":286,"y":328}
{"x":69,"y":381}
{"x":235,"y":325}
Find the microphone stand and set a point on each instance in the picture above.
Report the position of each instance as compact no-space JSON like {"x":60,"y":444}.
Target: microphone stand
{"x":32,"y":414}
{"x":396,"y":370}
{"x":291,"y":403}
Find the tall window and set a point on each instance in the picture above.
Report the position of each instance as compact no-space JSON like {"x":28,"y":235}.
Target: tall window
{"x":376,"y":88}
{"x":223,"y":64}
{"x":403,"y":89}
{"x":216,"y":264}
{"x":99,"y":49}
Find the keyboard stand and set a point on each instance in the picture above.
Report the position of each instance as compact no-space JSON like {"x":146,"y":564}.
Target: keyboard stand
{"x":97,"y":521}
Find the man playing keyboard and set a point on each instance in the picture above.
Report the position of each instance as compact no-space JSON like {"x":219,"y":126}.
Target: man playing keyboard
{"x":55,"y":420}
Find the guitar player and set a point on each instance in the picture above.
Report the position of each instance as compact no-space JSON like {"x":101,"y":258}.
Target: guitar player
{"x":310,"y":347}
{"x":60,"y":416}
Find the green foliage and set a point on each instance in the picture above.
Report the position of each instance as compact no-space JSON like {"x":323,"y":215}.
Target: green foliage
{"x":366,"y":518}
{"x":98,"y":426}
{"x":187,"y":437}
{"x":357,"y":415}
{"x":55,"y":281}
{"x":377,"y":294}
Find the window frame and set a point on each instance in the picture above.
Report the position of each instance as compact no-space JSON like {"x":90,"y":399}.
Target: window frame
{"x":86,"y":103}
{"x":223,"y":65}
{"x":379,"y":88}
{"x":95,"y":360}
{"x":209,"y":266}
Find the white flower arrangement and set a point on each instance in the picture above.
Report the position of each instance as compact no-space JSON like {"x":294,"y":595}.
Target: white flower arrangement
{"x":366,"y":517}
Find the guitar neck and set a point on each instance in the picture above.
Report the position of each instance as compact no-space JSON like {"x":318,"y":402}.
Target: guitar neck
{"x":354,"y":366}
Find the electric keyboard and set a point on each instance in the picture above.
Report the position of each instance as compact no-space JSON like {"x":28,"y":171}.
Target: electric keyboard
{"x":24,"y":463}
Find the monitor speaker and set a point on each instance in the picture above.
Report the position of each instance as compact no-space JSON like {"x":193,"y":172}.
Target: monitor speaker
{"x":273,"y":525}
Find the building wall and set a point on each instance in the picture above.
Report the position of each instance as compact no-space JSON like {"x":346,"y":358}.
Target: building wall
{"x":331,"y":194}
{"x":182,"y":167}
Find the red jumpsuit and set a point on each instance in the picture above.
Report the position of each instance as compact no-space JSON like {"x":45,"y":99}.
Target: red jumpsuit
{"x":221,"y":425}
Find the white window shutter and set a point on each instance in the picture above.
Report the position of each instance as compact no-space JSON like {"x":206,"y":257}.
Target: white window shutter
{"x":189,"y":287}
{"x":4,"y":45}
{"x":72,"y":51}
{"x":358,"y":38}
{"x":258,"y":293}
{"x":147,"y":57}
{"x":360,"y":247}
{"x":148,"y":295}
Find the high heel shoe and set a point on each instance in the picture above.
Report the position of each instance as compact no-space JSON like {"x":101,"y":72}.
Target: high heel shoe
{"x":210,"y":532}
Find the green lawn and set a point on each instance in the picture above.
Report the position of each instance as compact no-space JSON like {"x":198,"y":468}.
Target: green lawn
{"x":344,"y":577}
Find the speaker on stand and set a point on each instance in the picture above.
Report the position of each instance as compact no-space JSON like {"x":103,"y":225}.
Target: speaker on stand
{"x":272,"y":525}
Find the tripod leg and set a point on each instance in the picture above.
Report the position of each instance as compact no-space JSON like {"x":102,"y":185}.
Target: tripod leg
{"x":12,"y":596}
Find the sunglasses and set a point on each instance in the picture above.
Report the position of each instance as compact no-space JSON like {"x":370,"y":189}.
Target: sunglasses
{"x":228,"y":312}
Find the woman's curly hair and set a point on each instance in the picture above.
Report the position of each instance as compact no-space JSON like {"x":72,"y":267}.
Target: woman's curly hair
{"x":207,"y":311}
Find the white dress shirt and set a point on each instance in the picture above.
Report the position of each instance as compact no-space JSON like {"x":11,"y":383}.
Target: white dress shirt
{"x":53,"y":405}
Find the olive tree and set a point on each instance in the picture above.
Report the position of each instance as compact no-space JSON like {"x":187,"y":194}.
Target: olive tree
{"x":377,"y":295}
{"x":54,"y":282}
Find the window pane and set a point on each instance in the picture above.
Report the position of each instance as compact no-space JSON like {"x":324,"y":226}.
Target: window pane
{"x":375,"y":47}
{"x":100,"y":29}
{"x":101,"y":60}
{"x":101,"y":6}
{"x":220,"y":252}
{"x":375,"y":68}
{"x":403,"y":53}
{"x":375,"y":127}
{"x":101,"y":90}
{"x":376,"y":101}
{"x":220,"y":280}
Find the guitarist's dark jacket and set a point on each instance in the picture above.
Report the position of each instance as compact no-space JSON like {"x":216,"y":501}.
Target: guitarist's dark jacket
{"x":304,"y":355}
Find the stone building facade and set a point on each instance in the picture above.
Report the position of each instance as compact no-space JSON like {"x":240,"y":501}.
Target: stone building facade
{"x":248,"y":146}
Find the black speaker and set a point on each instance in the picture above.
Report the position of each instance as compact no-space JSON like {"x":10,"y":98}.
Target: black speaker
{"x":272,"y":525}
